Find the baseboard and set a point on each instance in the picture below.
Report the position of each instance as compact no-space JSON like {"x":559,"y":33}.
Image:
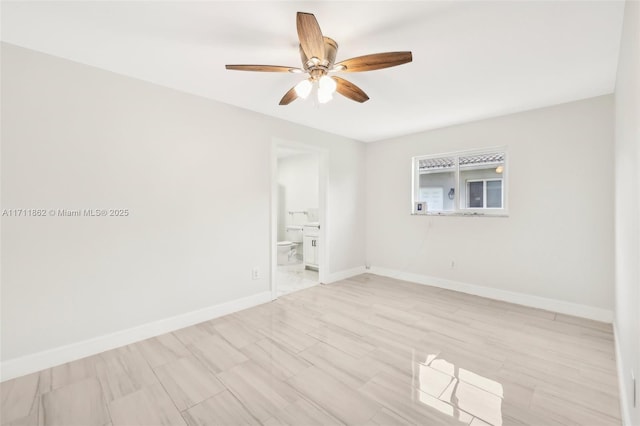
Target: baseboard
{"x":27,"y":364}
{"x":625,"y":413}
{"x":560,"y":306}
{"x":343,"y":275}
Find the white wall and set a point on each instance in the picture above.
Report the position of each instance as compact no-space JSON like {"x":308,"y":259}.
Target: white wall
{"x":557,"y":242}
{"x":627,"y":211}
{"x":195,"y":175}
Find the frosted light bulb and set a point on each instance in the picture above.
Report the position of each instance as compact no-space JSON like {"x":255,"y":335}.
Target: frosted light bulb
{"x":303,"y":89}
{"x":324,"y":95}
{"x":327,"y":83}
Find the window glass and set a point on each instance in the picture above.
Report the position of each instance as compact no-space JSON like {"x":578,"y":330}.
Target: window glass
{"x":470,"y":182}
{"x":494,"y":194}
{"x":437,"y":177}
{"x":479,"y":168}
{"x":475,"y":191}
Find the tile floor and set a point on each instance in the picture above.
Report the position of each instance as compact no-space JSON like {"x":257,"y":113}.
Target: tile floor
{"x":294,"y":277}
{"x":364,"y":351}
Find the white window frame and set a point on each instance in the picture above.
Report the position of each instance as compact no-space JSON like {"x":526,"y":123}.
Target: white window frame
{"x":484,"y":193}
{"x":459,"y":205}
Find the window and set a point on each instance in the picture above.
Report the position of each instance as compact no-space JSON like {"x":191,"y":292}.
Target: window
{"x":471,"y":182}
{"x":484,"y":194}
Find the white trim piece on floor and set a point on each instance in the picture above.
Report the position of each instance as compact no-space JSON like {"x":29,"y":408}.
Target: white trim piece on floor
{"x":27,"y":364}
{"x":625,"y":414}
{"x":343,"y":275}
{"x":554,"y":305}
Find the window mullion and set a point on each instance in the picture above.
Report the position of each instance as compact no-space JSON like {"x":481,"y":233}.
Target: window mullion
{"x":484,"y":193}
{"x":456,"y":185}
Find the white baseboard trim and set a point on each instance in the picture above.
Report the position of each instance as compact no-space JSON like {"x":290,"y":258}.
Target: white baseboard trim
{"x":554,"y":305}
{"x":27,"y":364}
{"x":343,"y":275}
{"x":625,"y":413}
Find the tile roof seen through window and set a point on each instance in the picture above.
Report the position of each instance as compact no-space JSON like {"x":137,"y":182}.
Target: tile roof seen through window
{"x":438,"y":163}
{"x":483,"y":158}
{"x":470,"y":160}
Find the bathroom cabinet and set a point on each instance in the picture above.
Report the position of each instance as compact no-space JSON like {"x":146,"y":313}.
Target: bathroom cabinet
{"x":310,"y":251}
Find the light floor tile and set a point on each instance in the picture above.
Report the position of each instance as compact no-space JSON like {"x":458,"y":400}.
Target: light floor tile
{"x":352,"y":371}
{"x":80,"y":403}
{"x":31,"y":420}
{"x":236,"y":333}
{"x":387,"y":417}
{"x":222,"y":409}
{"x":74,"y":371}
{"x":477,"y":422}
{"x":343,"y":340}
{"x":217,"y":354}
{"x":262,"y":394}
{"x":192,"y":334}
{"x":364,"y":351}
{"x":567,"y":406}
{"x":393,"y":392}
{"x":147,"y":406}
{"x":294,"y":277}
{"x":303,"y":412}
{"x":289,"y":337}
{"x":162,"y":349}
{"x":334,"y":397}
{"x":18,"y":397}
{"x":275,"y":359}
{"x":478,"y":402}
{"x":188,"y":382}
{"x":123,"y":371}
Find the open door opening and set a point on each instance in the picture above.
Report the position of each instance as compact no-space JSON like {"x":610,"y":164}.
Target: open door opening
{"x":298,"y":216}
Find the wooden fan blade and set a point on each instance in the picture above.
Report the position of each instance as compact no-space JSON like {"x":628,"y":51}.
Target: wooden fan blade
{"x":350,"y":90}
{"x":375,"y":62}
{"x":289,"y":97}
{"x":263,"y":68}
{"x":310,"y":35}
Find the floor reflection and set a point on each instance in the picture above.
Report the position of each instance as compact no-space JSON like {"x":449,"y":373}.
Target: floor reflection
{"x":294,"y":277}
{"x":458,"y":392}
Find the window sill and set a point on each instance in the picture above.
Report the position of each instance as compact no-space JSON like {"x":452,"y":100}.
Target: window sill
{"x":463,"y":214}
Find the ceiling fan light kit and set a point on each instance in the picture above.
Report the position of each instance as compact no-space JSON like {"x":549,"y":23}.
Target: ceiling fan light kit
{"x":303,"y":88}
{"x":318,"y":54}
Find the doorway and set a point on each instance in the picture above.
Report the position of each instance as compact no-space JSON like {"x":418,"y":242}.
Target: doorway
{"x":298,"y":217}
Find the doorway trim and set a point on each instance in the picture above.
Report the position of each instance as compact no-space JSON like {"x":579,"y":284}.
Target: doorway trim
{"x":323,"y":188}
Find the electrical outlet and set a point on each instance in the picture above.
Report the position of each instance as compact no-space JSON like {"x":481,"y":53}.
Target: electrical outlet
{"x":255,"y":274}
{"x":452,"y":264}
{"x":367,"y":267}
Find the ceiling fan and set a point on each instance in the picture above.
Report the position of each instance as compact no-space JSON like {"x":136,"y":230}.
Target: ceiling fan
{"x":318,"y":55}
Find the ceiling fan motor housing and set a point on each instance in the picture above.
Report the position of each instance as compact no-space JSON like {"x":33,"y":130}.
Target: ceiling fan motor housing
{"x":317,"y":70}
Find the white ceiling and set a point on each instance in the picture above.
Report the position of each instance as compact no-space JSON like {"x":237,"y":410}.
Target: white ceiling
{"x":472,"y":60}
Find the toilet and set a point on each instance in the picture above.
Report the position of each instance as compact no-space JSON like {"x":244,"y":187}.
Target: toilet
{"x":288,"y":249}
